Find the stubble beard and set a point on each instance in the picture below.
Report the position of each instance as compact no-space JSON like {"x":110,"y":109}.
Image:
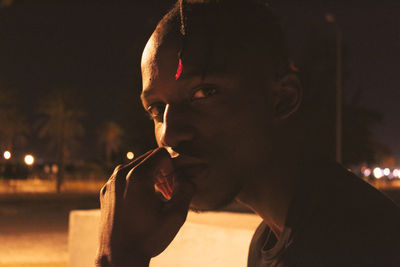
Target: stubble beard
{"x":220,"y":204}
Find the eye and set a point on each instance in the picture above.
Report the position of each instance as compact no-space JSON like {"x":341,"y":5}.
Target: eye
{"x":204,"y":92}
{"x":156,"y":111}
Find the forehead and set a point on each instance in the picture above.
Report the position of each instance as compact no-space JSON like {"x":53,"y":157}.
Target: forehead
{"x":159,"y":58}
{"x":203,"y":51}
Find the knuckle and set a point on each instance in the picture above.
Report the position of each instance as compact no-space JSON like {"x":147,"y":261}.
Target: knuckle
{"x":117,"y":170}
{"x":119,"y":174}
{"x":103,"y":190}
{"x":102,"y":261}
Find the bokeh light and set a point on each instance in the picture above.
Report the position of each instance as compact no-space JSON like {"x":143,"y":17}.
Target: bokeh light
{"x":29,"y":159}
{"x":130,"y":155}
{"x":378,"y":173}
{"x":54,"y":168}
{"x":386,"y":171}
{"x":367,"y":172}
{"x":7,"y":154}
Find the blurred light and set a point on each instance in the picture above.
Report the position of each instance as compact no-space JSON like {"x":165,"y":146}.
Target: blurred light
{"x":386,"y":171}
{"x":7,"y":154}
{"x":54,"y":168}
{"x":378,"y":173}
{"x":29,"y":159}
{"x":396,"y":173}
{"x":46,"y":169}
{"x":130,"y":155}
{"x":330,"y":17}
{"x":367,"y":172}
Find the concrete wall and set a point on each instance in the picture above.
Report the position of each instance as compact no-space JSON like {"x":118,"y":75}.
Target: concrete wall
{"x":213,"y":239}
{"x":35,"y":185}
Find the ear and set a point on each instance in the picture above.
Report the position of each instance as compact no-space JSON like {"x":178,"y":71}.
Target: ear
{"x":287,"y":96}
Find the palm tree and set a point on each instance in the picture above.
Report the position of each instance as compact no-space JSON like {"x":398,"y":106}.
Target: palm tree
{"x":110,"y":134}
{"x":61,"y":125}
{"x":13,"y":129}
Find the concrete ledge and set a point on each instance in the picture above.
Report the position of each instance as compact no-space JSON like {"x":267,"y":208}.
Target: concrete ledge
{"x":219,"y":239}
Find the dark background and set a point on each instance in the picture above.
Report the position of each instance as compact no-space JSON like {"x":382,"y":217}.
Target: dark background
{"x":93,"y":49}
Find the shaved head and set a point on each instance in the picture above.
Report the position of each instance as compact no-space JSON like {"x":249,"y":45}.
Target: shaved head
{"x":221,"y":37}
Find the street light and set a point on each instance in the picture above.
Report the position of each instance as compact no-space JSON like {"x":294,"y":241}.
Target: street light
{"x":386,"y":171}
{"x":7,"y":154}
{"x":130,"y":155}
{"x":332,"y":19}
{"x":378,"y":173}
{"x":29,"y":160}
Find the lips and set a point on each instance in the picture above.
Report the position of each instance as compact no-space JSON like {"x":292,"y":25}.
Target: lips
{"x":164,"y":183}
{"x":175,"y":169}
{"x":164,"y":177}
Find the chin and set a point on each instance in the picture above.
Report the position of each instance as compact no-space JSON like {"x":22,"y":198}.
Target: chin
{"x":203,"y":202}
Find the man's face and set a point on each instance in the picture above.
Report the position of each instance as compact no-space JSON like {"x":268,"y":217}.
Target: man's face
{"x":219,"y":125}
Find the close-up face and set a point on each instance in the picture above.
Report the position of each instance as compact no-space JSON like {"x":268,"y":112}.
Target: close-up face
{"x":218,"y":125}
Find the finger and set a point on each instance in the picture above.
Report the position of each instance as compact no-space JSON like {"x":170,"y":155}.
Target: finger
{"x":117,"y":180}
{"x":124,"y":169}
{"x":142,"y":177}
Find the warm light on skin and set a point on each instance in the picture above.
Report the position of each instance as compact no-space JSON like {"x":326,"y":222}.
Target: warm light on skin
{"x":130,"y":155}
{"x":29,"y":159}
{"x":378,"y":173}
{"x":171,"y":152}
{"x":7,"y":154}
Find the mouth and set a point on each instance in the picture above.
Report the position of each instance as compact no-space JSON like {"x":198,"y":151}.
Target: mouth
{"x":178,"y":169}
{"x":165,"y":182}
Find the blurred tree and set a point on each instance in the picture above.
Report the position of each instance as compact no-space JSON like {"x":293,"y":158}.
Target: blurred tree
{"x":60,"y":123}
{"x":110,"y":134}
{"x":318,"y":72}
{"x":14,"y":128}
{"x":359,"y":144}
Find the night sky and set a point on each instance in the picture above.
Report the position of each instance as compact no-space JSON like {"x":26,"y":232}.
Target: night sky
{"x":94,"y":47}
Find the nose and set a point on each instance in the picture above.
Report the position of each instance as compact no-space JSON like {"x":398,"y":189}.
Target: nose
{"x":176,"y":127}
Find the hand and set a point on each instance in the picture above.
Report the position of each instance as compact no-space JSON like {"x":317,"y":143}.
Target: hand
{"x":136,"y":224}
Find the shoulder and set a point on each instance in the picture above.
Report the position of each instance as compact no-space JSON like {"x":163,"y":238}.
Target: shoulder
{"x":351,"y":222}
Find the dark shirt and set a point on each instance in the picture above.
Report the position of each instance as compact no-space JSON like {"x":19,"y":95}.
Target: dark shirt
{"x":335,"y":219}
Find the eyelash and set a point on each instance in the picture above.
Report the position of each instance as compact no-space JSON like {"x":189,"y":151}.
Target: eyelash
{"x":206,"y":88}
{"x":159,"y":115}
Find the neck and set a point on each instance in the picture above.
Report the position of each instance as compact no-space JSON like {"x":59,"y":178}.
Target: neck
{"x":269,"y":194}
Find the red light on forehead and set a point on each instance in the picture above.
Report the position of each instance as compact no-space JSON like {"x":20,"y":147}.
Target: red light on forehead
{"x":179,"y":70}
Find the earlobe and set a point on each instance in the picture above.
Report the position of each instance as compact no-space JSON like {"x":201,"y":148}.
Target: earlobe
{"x":288,"y":96}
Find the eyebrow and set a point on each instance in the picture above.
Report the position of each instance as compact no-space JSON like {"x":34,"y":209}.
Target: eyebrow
{"x":183,"y":76}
